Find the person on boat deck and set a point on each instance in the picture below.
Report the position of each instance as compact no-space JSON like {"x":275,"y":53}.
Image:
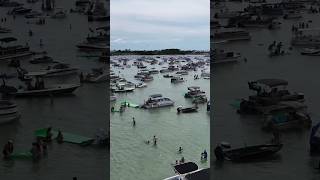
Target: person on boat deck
{"x":60,"y":137}
{"x":44,"y":148}
{"x":8,"y":149}
{"x":49,"y":134}
{"x":35,"y":152}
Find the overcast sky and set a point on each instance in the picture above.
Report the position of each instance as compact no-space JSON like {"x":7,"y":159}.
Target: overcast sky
{"x":160,"y":24}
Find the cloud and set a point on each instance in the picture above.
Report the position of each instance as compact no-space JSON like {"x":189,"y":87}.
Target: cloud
{"x":154,"y":22}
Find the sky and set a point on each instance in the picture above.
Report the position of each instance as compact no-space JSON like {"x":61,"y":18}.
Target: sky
{"x":160,"y":24}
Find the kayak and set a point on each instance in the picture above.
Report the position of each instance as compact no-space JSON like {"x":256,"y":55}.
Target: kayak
{"x":67,"y":137}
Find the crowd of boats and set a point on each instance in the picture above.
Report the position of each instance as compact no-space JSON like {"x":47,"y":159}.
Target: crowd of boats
{"x":278,"y":109}
{"x":34,"y":83}
{"x":235,"y":25}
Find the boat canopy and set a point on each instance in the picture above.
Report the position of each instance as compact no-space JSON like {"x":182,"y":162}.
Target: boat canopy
{"x":272,"y":82}
{"x":193,"y":88}
{"x":156,"y":95}
{"x":8,"y":39}
{"x":186,"y":167}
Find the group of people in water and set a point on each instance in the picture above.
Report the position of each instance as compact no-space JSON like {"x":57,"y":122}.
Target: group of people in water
{"x":38,"y":149}
{"x":155,"y":139}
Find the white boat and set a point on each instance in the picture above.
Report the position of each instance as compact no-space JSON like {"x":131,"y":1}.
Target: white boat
{"x":156,"y":101}
{"x":56,"y":70}
{"x":141,"y":85}
{"x":122,"y":88}
{"x":8,"y":111}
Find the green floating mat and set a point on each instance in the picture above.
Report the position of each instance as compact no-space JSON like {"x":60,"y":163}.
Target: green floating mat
{"x":236,"y":103}
{"x":21,"y":155}
{"x":130,"y":104}
{"x":67,"y":137}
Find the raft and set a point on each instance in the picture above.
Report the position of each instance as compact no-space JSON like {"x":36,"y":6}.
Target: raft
{"x":67,"y":137}
{"x":129,"y":104}
{"x":21,"y":155}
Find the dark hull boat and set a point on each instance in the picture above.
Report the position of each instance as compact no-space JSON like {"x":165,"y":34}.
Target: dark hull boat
{"x":55,"y":90}
{"x":250,"y":153}
{"x":314,"y":140}
{"x":187,"y":110}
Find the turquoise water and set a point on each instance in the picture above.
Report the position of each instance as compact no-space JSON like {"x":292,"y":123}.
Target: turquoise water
{"x":130,"y":157}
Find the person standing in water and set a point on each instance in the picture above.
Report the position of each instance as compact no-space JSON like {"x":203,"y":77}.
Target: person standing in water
{"x":154,"y":140}
{"x":133,"y":122}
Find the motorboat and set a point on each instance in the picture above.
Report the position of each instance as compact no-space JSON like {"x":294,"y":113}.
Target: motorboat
{"x":198,"y":174}
{"x":176,"y":79}
{"x":60,"y":69}
{"x":97,"y":75}
{"x":8,"y":111}
{"x":122,"y":88}
{"x":168,"y":76}
{"x":43,"y":59}
{"x":147,"y":78}
{"x":224,"y":36}
{"x":292,"y":15}
{"x":193,"y":91}
{"x":250,"y":153}
{"x":157,"y":101}
{"x":141,"y":85}
{"x":306,"y":38}
{"x":199,"y":99}
{"x":286,"y":118}
{"x":13,"y":52}
{"x":311,"y":52}
{"x":20,"y":11}
{"x":33,"y":14}
{"x":222,"y":57}
{"x":187,"y":109}
{"x":95,"y":46}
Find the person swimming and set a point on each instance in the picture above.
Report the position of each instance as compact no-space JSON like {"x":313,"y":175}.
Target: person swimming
{"x":180,"y":149}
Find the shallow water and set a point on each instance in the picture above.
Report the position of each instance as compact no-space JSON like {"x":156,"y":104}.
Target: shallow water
{"x":230,"y":82}
{"x":86,"y":108}
{"x":130,"y":157}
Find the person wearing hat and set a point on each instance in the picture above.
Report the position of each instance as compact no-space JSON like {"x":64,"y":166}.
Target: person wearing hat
{"x":8,"y":149}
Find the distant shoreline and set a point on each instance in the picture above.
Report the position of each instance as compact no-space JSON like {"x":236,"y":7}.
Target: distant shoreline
{"x":158,"y":52}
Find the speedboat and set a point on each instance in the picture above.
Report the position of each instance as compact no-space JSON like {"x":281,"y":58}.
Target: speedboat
{"x":4,"y":30}
{"x":187,"y":110}
{"x":156,"y":101}
{"x":8,"y":111}
{"x":60,"y":69}
{"x":12,"y":52}
{"x":311,"y":52}
{"x":122,"y":88}
{"x":59,"y":15}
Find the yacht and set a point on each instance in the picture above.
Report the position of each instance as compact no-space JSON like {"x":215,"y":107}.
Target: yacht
{"x":8,"y":111}
{"x":122,"y":88}
{"x":60,"y":69}
{"x":156,"y":101}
